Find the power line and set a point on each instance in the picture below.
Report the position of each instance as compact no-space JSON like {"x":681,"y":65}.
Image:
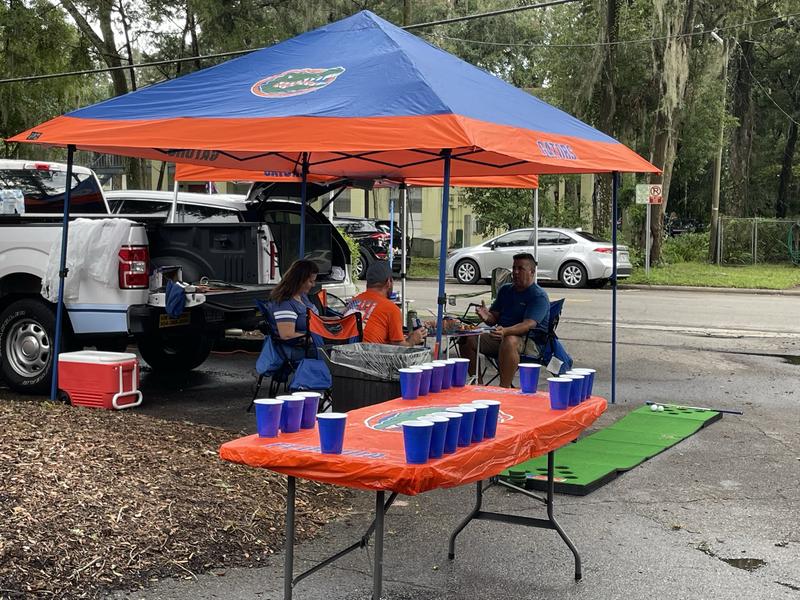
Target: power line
{"x":240,"y":52}
{"x":621,"y":42}
{"x":762,"y":88}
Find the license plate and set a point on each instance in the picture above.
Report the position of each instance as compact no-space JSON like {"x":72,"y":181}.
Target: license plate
{"x":624,"y":256}
{"x":167,"y":321}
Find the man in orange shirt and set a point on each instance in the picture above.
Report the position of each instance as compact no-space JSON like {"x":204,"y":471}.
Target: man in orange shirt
{"x":381,"y":317}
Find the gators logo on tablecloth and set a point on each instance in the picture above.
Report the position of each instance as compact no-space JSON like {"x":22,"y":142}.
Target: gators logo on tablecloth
{"x":390,"y":420}
{"x":295,"y":82}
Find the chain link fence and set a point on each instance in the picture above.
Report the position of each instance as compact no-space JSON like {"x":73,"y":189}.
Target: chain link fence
{"x":752,"y":241}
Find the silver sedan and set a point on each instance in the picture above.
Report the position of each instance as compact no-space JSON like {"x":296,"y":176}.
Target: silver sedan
{"x":575,"y":258}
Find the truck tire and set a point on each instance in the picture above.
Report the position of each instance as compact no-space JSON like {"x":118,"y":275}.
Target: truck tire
{"x":27,"y":330}
{"x":165,"y":354}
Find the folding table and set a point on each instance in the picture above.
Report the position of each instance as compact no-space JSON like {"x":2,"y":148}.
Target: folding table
{"x":373,"y":459}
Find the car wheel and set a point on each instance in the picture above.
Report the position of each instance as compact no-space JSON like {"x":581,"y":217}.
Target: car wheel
{"x":467,"y":271}
{"x":573,"y":275}
{"x":27,"y":329}
{"x":361,"y":266}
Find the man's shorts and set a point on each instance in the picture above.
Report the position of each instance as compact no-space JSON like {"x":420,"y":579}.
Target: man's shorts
{"x":490,"y":345}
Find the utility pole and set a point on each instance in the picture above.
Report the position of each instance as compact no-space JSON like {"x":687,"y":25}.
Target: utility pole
{"x":713,"y":242}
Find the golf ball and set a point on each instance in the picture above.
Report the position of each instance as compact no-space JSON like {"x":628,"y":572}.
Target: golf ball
{"x":654,"y":407}
{"x":660,"y":408}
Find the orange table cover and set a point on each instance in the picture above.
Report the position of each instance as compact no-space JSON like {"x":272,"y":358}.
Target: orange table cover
{"x":374,"y":459}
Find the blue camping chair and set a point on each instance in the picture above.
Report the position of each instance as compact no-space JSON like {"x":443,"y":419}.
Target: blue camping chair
{"x":540,"y":347}
{"x":284,"y":372}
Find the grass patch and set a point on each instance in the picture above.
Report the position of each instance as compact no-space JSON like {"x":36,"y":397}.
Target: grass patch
{"x":424,"y":267}
{"x":767,"y":277}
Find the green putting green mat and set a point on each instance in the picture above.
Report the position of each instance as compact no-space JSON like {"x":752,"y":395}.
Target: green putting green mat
{"x":593,"y":461}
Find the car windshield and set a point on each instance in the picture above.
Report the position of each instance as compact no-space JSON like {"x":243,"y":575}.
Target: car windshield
{"x":357,"y":226}
{"x":591,"y":237}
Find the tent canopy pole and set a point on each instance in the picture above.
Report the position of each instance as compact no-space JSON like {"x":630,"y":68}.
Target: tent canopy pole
{"x":441,"y":299}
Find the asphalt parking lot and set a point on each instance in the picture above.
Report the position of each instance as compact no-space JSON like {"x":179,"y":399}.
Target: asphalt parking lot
{"x":716,"y":516}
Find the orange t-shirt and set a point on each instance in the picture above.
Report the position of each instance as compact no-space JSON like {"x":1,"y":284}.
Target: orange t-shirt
{"x":380,"y":316}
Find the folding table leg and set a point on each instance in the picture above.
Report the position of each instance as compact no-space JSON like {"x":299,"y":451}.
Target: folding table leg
{"x":288,"y":560}
{"x":377,"y":571}
{"x":451,"y":547}
{"x":552,"y":519}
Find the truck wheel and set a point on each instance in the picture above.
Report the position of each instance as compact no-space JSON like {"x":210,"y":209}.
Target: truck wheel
{"x":27,"y":329}
{"x":165,"y":354}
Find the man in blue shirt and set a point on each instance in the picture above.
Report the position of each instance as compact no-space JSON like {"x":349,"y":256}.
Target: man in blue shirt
{"x":520,"y":306}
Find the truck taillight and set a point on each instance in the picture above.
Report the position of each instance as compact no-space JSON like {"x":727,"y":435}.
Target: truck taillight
{"x":134,"y":267}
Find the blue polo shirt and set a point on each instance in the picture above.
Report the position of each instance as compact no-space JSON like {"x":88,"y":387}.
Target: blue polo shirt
{"x":514,"y":307}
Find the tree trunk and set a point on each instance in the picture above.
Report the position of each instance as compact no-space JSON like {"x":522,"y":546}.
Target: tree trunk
{"x":785,"y":179}
{"x":741,"y":145}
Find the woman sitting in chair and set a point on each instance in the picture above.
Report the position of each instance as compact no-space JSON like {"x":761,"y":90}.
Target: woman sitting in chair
{"x":289,"y":301}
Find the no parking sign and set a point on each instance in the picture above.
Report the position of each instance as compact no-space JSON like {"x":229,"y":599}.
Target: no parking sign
{"x":648,"y":193}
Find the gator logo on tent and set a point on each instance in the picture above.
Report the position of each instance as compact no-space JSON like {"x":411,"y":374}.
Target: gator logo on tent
{"x":295,"y":82}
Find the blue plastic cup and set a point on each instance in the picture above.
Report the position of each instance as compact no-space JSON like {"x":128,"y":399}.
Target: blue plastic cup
{"x":292,"y":413}
{"x":576,"y":391}
{"x":439,"y":435}
{"x":584,"y":382}
{"x":268,"y":416}
{"x":479,"y":424}
{"x":559,"y":392}
{"x":447,"y":377}
{"x":460,"y":371}
{"x":425,"y":380}
{"x":284,"y":414}
{"x":331,"y":432}
{"x":528,"y":377}
{"x":492,"y":414}
{"x":409,"y":383}
{"x":467,"y":423}
{"x":437,"y":376}
{"x":417,"y":440}
{"x":310,"y":408}
{"x":589,"y":374}
{"x":453,"y":425}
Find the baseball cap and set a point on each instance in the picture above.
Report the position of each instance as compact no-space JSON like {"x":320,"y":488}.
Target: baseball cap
{"x":378,"y":272}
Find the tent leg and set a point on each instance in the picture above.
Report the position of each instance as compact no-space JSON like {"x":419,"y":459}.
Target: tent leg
{"x":404,"y":226}
{"x":443,"y":251}
{"x":62,"y":274}
{"x":303,"y":200}
{"x":614,"y":207}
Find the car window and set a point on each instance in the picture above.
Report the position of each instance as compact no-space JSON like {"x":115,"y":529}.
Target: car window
{"x":191,"y":213}
{"x":142,"y":207}
{"x":564,"y":239}
{"x":548,"y":238}
{"x":513,"y":239}
{"x":591,"y":237}
{"x":43,"y":190}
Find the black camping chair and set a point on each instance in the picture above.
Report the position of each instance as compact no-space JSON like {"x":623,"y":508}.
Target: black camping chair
{"x":539,"y":346}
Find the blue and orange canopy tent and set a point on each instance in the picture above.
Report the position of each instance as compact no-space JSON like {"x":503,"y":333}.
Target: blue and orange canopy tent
{"x":357,"y":98}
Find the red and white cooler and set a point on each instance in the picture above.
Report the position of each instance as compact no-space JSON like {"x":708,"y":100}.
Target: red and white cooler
{"x":99,"y":379}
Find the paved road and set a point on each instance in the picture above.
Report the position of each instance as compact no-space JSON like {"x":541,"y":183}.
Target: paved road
{"x":663,"y":530}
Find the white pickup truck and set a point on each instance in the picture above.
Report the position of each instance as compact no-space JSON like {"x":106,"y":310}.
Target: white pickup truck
{"x":106,"y":312}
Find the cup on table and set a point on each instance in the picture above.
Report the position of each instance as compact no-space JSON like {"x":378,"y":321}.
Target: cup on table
{"x":447,"y":378}
{"x":492,"y":414}
{"x":268,"y":416}
{"x":425,"y":380}
{"x":292,"y":413}
{"x":438,"y":436}
{"x":559,"y":392}
{"x":310,"y":408}
{"x":436,"y":376}
{"x":584,"y":382}
{"x":467,"y":423}
{"x":331,"y":432}
{"x":587,"y":393}
{"x":528,"y":377}
{"x":453,"y":425}
{"x":417,"y":440}
{"x":409,"y":382}
{"x":479,"y":424}
{"x":460,"y":371}
{"x":576,"y":391}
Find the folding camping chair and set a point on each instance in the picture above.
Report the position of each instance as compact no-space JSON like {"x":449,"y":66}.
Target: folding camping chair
{"x":320,"y":331}
{"x":540,"y":347}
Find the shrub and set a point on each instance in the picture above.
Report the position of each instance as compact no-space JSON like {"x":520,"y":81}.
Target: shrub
{"x":688,"y":247}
